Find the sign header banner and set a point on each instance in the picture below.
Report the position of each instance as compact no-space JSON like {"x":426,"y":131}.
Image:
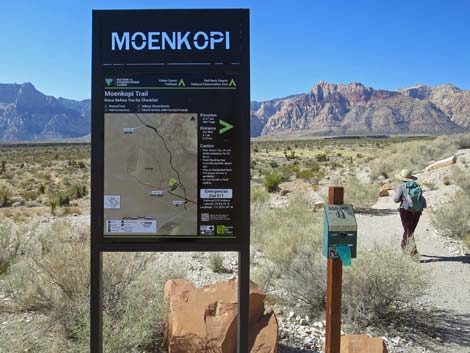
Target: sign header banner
{"x":162,"y":36}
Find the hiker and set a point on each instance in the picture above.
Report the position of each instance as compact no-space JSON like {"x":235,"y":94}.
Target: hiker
{"x":412,"y":202}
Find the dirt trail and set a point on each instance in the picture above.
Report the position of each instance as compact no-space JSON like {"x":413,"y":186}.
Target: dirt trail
{"x":448,"y":299}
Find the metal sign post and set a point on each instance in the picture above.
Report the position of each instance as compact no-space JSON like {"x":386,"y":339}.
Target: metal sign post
{"x":170,"y":140}
{"x":333,"y":289}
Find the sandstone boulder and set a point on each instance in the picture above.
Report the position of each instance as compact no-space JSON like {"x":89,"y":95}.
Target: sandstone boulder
{"x":362,"y":344}
{"x":383,"y":193}
{"x":441,"y":164}
{"x":387,"y":186}
{"x":204,"y":320}
{"x":318,"y":205}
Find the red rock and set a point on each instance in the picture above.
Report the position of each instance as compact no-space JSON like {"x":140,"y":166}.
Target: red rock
{"x":383,"y":193}
{"x":362,"y":344}
{"x":204,"y":320}
{"x":386,"y":187}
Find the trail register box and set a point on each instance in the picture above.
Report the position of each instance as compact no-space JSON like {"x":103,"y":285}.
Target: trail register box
{"x":340,"y":228}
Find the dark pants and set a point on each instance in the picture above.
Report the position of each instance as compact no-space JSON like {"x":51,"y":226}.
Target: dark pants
{"x":409,"y":220}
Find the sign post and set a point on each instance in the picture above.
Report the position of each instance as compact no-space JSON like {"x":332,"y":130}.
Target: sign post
{"x":170,"y":140}
{"x":333,"y":289}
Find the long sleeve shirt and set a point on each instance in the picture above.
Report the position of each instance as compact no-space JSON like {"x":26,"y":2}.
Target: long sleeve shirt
{"x":400,"y":197}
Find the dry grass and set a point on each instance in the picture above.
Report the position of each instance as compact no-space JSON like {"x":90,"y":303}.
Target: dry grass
{"x":52,"y":277}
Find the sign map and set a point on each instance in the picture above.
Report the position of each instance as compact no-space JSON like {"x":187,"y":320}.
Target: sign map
{"x":151,"y":173}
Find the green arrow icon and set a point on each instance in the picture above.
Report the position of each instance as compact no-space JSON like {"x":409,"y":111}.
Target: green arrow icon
{"x":226,"y":126}
{"x":181,"y":83}
{"x":232,"y":83}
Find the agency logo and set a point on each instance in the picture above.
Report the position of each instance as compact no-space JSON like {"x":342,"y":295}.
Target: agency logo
{"x":108,"y":81}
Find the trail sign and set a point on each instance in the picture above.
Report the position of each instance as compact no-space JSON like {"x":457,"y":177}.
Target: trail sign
{"x":170,"y":138}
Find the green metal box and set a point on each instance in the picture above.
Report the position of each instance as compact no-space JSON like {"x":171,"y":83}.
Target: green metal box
{"x":339,"y":227}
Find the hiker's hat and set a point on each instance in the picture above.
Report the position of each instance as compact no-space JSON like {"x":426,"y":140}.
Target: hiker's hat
{"x":406,"y":175}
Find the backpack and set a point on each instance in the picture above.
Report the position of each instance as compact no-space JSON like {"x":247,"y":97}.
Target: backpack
{"x":414,"y":196}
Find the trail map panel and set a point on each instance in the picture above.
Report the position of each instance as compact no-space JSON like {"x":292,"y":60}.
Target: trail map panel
{"x":151,"y":163}
{"x":170,"y":155}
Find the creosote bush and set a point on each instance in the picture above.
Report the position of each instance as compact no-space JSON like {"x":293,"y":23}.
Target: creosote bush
{"x":377,"y":287}
{"x":304,"y":281}
{"x":282,"y":233}
{"x":379,"y":284}
{"x":9,"y":247}
{"x":216,"y":262}
{"x":451,"y":219}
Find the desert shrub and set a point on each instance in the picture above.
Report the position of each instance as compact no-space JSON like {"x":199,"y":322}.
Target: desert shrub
{"x":305,"y":174}
{"x":430,"y":185}
{"x":53,"y":203}
{"x":53,"y":278}
{"x":463,"y":141}
{"x":29,"y":195}
{"x":5,"y":200}
{"x":76,"y":191}
{"x":304,"y":281}
{"x":446,"y":180}
{"x":58,"y":199}
{"x":216,"y":262}
{"x":466,"y":241}
{"x":322,"y":157}
{"x":379,"y":285}
{"x":360,"y":194}
{"x":272,"y":181}
{"x":282,"y":233}
{"x":258,"y":195}
{"x":413,"y":155}
{"x":128,"y":325}
{"x":452,"y":218}
{"x":290,"y":169}
{"x":9,"y":247}
{"x":273,"y":164}
{"x":313,"y":165}
{"x":264,"y":276}
{"x":461,"y":180}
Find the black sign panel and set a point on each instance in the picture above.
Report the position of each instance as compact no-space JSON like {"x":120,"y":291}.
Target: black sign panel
{"x":170,"y":137}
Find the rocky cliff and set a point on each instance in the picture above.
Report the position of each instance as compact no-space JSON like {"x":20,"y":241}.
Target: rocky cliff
{"x":350,"y":109}
{"x":27,"y":114}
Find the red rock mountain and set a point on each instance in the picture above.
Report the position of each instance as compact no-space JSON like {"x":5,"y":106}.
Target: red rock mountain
{"x":353,"y":109}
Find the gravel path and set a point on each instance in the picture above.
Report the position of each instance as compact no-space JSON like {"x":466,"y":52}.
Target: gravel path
{"x":447,"y":303}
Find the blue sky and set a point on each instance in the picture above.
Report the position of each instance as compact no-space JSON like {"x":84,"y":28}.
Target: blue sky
{"x":383,"y":44}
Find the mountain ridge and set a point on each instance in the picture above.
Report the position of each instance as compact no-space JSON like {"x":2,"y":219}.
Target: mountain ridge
{"x":351,"y":109}
{"x":327,"y":109}
{"x":27,"y":115}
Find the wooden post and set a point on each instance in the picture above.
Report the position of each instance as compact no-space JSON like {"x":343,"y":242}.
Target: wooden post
{"x":333,"y":289}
